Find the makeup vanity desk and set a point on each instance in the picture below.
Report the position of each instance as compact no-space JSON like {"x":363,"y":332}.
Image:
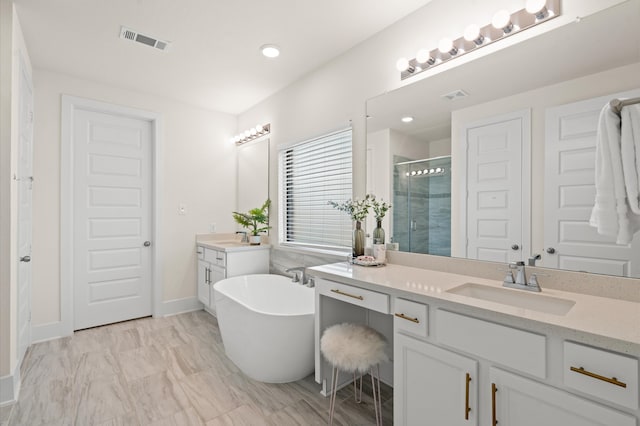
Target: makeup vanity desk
{"x":461,"y":360}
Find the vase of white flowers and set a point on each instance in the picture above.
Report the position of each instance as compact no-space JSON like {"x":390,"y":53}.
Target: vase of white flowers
{"x":380,"y":209}
{"x":358,"y":211}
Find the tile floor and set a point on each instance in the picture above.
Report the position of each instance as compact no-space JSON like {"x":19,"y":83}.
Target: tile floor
{"x":165,"y":371}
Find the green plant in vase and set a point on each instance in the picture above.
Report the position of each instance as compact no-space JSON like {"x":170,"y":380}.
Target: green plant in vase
{"x":255,"y":221}
{"x":358,"y":211}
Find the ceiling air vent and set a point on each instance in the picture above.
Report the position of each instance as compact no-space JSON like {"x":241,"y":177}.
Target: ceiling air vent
{"x":129,"y":34}
{"x":455,"y":95}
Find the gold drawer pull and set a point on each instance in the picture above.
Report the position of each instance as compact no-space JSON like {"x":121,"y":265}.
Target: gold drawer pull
{"x":347,"y":294}
{"x":611,"y":380}
{"x":494,"y":419}
{"x":403,"y":316}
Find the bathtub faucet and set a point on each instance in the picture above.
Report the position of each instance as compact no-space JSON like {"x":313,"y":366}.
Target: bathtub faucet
{"x":302,"y":278}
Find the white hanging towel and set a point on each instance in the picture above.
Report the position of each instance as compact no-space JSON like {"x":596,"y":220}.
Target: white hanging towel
{"x":611,"y":214}
{"x":630,"y":148}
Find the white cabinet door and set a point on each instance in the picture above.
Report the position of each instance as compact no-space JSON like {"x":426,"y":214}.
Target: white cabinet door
{"x":497,"y":183}
{"x":524,"y":402}
{"x":204,"y":274}
{"x":217,"y":274}
{"x":433,"y":386}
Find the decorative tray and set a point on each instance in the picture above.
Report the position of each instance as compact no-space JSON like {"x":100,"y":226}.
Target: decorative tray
{"x":366,"y":261}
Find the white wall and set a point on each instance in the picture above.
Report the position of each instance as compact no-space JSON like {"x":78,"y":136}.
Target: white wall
{"x":604,"y":83}
{"x":199,"y":170}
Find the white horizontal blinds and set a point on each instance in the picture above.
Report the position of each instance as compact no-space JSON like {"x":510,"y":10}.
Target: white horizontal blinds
{"x":313,"y":173}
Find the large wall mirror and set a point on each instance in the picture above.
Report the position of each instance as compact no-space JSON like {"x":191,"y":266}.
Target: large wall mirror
{"x":253,"y":174}
{"x":505,"y":170}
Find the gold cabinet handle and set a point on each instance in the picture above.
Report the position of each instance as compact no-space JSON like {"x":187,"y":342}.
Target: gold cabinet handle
{"x":494,"y":389}
{"x":403,"y":316}
{"x":611,"y":380}
{"x":347,"y":294}
{"x":467,"y":409}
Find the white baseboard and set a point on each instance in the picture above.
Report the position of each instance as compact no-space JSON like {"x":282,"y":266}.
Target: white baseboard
{"x":10,"y":388}
{"x":49,"y":331}
{"x":179,"y":306}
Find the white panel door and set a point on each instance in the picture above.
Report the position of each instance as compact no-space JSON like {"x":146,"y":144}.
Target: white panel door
{"x":569,"y":194}
{"x":495,"y":190}
{"x":25,"y":185}
{"x":112,"y":218}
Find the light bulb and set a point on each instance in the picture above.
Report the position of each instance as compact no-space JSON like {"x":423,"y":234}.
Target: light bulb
{"x":270,"y":50}
{"x":424,"y":56}
{"x":431,"y":171}
{"x":259,"y":128}
{"x":502,"y":21}
{"x":407,"y":174}
{"x":439,"y":170}
{"x":254,"y":132}
{"x":407,"y":119}
{"x":446,"y":46}
{"x":247,"y":133}
{"x":537,"y":8}
{"x":413,"y":173}
{"x":402,"y":64}
{"x":419,"y":172}
{"x":472,"y":33}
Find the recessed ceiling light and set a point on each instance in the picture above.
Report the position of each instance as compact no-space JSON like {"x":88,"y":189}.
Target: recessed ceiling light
{"x":270,"y":50}
{"x":407,"y":119}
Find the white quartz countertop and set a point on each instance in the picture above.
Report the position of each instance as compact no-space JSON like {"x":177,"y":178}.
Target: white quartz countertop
{"x":231,"y":245}
{"x":600,"y":316}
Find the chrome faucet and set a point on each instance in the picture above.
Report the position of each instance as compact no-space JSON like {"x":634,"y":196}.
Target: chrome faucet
{"x":245,"y":237}
{"x":533,"y":258}
{"x":301,"y":278}
{"x":520,"y":281}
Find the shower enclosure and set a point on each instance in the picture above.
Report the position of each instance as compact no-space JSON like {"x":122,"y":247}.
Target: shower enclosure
{"x":422,"y":205}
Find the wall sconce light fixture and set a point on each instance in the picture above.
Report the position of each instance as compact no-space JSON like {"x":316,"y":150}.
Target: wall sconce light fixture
{"x":254,"y":133}
{"x":503,"y":24}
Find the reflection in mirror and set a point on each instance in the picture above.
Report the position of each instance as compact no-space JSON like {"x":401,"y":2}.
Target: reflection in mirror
{"x":558,"y":85}
{"x":422,"y":202}
{"x":253,"y":174}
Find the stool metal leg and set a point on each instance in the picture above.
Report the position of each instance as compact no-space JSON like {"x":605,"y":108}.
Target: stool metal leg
{"x":334,"y":388}
{"x":358,"y":398}
{"x":377,"y":397}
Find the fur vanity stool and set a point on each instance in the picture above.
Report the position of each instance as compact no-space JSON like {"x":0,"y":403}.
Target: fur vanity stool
{"x":354,"y":348}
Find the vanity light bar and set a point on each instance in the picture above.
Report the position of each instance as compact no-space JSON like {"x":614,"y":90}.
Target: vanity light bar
{"x":433,"y":171}
{"x":502,"y":26}
{"x":252,"y":134}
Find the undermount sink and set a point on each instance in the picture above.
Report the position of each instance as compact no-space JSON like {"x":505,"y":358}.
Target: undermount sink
{"x":516,"y":298}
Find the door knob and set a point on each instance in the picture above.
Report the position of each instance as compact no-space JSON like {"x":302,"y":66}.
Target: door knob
{"x":147,"y":243}
{"x":515,"y":247}
{"x":551,"y":250}
{"x":25,"y":259}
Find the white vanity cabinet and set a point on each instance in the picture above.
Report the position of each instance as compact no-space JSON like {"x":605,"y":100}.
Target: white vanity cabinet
{"x":216,"y":262}
{"x":518,"y":401}
{"x":433,"y":386}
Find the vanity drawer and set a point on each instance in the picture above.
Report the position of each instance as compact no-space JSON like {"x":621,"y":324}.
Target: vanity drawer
{"x":354,"y":295}
{"x":215,"y":257}
{"x":411,"y":317}
{"x":600,"y":373}
{"x":511,"y":347}
{"x":200,"y":252}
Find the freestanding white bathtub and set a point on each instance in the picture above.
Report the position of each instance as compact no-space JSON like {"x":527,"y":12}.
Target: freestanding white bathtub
{"x":266,"y":322}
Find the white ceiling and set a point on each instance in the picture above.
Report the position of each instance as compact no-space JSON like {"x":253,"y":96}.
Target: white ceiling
{"x":214,"y":60}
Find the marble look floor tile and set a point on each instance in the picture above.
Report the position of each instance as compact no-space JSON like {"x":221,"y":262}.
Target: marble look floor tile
{"x":4,"y":414}
{"x":124,"y":340}
{"x":187,"y":417}
{"x":157,"y":397}
{"x":89,"y":340}
{"x":266,"y":397}
{"x":164,"y":337}
{"x":210,"y":394}
{"x":184,"y":360}
{"x":47,"y":367}
{"x":103,"y":399}
{"x":245,"y":415}
{"x":95,"y":365}
{"x":141,"y":362}
{"x":129,"y":419}
{"x":50,"y":403}
{"x":301,"y":413}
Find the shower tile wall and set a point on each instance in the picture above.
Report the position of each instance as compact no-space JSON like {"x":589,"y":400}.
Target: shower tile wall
{"x":422,"y":208}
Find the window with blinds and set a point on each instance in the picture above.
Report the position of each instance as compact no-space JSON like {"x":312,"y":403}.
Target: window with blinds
{"x":312,"y":173}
